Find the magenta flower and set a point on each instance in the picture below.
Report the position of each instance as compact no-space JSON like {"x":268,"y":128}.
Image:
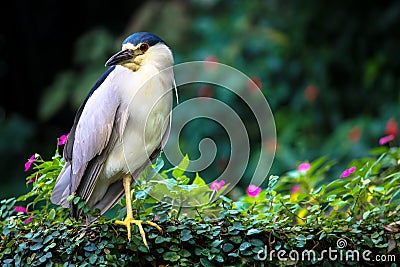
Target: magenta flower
{"x":253,"y":191}
{"x":30,"y":161}
{"x":216,"y":186}
{"x":347,"y":172}
{"x":209,"y":62}
{"x":63,"y":139}
{"x":28,"y":220}
{"x":20,"y":209}
{"x":311,"y":92}
{"x":386,"y":139}
{"x":295,"y":189}
{"x":304,"y":167}
{"x":254,"y":84}
{"x":391,"y":127}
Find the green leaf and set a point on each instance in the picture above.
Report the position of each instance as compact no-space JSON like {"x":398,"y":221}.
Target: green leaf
{"x":244,"y":246}
{"x":236,"y":239}
{"x":181,"y":168}
{"x":52,"y":245}
{"x":159,"y":239}
{"x":198,"y":180}
{"x":91,"y":247}
{"x":226,"y":199}
{"x":219,"y":258}
{"x":234,"y":254}
{"x":227,"y":247}
{"x":323,"y":235}
{"x":141,"y":194}
{"x":36,"y":246}
{"x":186,"y":235}
{"x":45,"y":257}
{"x":174,"y":248}
{"x":47,"y":239}
{"x":171,"y":256}
{"x":76,"y":200}
{"x":171,"y":229}
{"x":93,"y":258}
{"x":375,"y":235}
{"x":70,"y":198}
{"x":238,"y":226}
{"x":379,"y":189}
{"x":331,"y":198}
{"x":52,"y":214}
{"x":254,"y":231}
{"x":143,"y":248}
{"x":216,"y":243}
{"x":256,"y":242}
{"x":205,"y":262}
{"x":366,"y":214}
{"x":184,"y":253}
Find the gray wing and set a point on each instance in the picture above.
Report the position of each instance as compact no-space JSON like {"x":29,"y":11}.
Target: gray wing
{"x":68,"y":149}
{"x":100,"y":119}
{"x":98,"y":124}
{"x":90,"y":173}
{"x":116,"y":191}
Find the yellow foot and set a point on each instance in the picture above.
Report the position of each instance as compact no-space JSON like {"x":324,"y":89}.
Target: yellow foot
{"x":128,"y":221}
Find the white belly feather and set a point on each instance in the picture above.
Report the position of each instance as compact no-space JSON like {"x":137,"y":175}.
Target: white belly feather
{"x":149,"y":107}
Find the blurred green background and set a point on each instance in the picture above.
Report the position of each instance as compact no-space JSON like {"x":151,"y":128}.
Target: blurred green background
{"x":329,"y":70}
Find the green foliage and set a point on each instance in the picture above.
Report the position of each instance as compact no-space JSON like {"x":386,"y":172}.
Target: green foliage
{"x":361,"y":210}
{"x":338,"y":51}
{"x":172,"y":186}
{"x":307,"y":61}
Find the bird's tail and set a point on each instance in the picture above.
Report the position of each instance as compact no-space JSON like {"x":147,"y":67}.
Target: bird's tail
{"x":62,"y":188}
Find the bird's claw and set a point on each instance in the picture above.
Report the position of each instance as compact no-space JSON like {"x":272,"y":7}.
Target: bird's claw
{"x":129,"y":221}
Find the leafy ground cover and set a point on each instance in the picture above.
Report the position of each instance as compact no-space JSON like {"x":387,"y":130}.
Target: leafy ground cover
{"x":302,"y":218}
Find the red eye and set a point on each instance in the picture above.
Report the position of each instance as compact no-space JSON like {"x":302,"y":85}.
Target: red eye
{"x":144,"y":47}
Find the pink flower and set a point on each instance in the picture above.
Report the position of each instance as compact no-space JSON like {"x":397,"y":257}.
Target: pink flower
{"x":19,"y":209}
{"x":34,"y":178}
{"x":216,"y":186}
{"x":311,"y":92}
{"x":210,"y":63}
{"x":271,"y":145}
{"x":386,"y":139}
{"x":63,"y":139}
{"x":347,"y":172}
{"x":254,"y":84}
{"x":304,"y":167}
{"x":355,"y":134}
{"x":30,"y":161}
{"x":206,"y":91}
{"x":295,"y":189}
{"x":391,"y":127}
{"x":28,"y":220}
{"x":253,"y":191}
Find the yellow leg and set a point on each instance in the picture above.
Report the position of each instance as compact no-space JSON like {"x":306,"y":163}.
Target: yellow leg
{"x":127,"y":180}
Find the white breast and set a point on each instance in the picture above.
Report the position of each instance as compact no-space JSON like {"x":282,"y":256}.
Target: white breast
{"x":148,"y":98}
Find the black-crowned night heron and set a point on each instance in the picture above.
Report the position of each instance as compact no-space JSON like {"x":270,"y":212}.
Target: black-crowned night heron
{"x":119,"y":129}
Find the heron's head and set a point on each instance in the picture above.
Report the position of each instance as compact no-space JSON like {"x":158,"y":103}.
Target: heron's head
{"x":140,"y":49}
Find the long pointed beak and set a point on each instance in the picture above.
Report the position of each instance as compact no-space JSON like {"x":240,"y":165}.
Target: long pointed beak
{"x":120,"y":57}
